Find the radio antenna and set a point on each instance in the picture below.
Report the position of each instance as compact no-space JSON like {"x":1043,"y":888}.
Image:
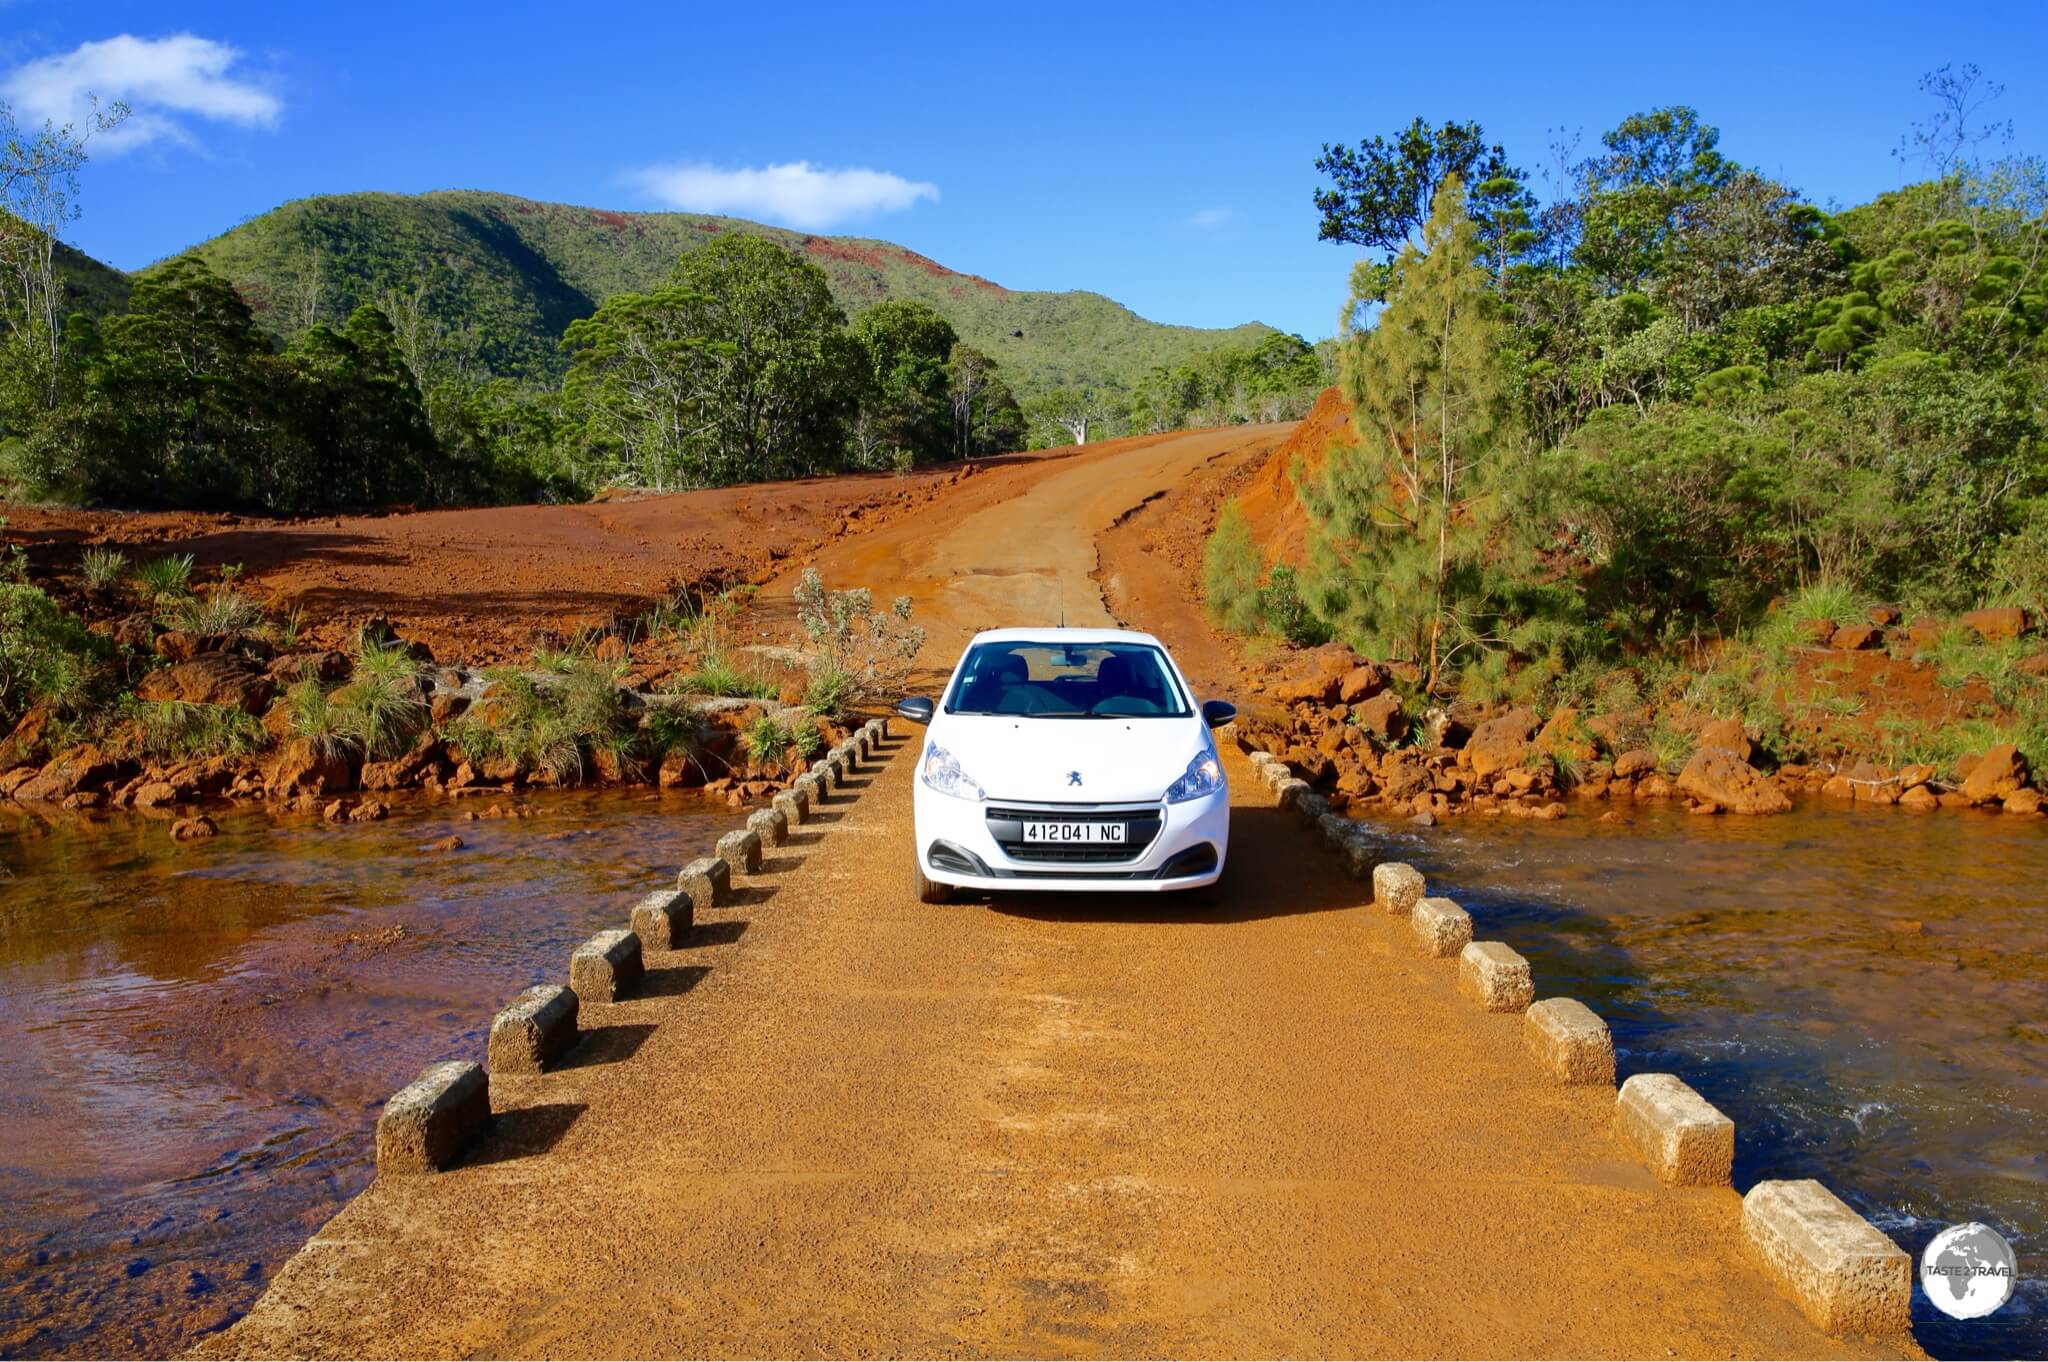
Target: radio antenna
{"x":1060,"y":585}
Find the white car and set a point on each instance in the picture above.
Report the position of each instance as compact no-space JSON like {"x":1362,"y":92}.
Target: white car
{"x":1068,"y":759}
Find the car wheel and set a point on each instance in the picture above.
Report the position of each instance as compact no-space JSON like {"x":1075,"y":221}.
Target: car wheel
{"x":928,"y":890}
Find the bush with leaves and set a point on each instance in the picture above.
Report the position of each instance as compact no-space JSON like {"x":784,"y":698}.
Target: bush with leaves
{"x":177,"y":729}
{"x":383,"y":705}
{"x":873,"y":649}
{"x":164,"y":580}
{"x":551,"y":718}
{"x":222,"y":610}
{"x":46,"y":656}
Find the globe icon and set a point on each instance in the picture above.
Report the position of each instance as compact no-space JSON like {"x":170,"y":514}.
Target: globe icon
{"x":1967,"y":1271}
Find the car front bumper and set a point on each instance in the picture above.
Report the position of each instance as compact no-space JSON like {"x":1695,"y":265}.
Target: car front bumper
{"x":947,"y":827}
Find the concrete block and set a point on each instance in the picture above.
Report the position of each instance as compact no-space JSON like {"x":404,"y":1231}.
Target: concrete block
{"x":1291,"y":792}
{"x":1278,"y":774}
{"x":707,"y":880}
{"x":1332,"y":831}
{"x":1847,"y":1275}
{"x":1678,"y":1133}
{"x":770,"y":825}
{"x":663,"y":920}
{"x":425,"y":1125}
{"x":809,"y":786}
{"x":1495,"y":976}
{"x":1398,"y":888}
{"x":607,"y":967}
{"x":741,"y":851}
{"x":881,"y":726}
{"x":1441,"y":926}
{"x":1309,"y":810}
{"x":537,"y":1029}
{"x":1570,"y":1041}
{"x":793,"y":805}
{"x":1361,"y":854}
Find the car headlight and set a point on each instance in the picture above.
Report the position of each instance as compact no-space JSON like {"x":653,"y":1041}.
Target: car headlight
{"x":1204,"y":776}
{"x":943,"y":773}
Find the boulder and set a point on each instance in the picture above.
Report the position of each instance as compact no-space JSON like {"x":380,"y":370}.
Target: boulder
{"x":1817,"y":632}
{"x":1856,"y":638}
{"x":1718,"y":776}
{"x":1567,"y":738}
{"x":1885,"y":615}
{"x":211,"y":679}
{"x":2023,"y":801}
{"x":1381,"y":716}
{"x":1997,"y":776}
{"x":1362,"y":682}
{"x":1501,"y":744}
{"x":1635,"y":764}
{"x":193,"y":829}
{"x":1317,"y":676}
{"x":1999,"y":623}
{"x":1727,"y":733}
{"x":328,"y":668}
{"x":81,"y":768}
{"x":303,"y":766}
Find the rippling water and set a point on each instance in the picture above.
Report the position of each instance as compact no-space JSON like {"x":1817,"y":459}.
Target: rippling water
{"x":195,"y":1040}
{"x":1865,"y":992}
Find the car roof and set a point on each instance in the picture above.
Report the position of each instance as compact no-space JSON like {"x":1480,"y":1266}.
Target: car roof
{"x":1063,"y":635}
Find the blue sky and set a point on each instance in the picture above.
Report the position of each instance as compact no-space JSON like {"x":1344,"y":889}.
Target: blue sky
{"x":1161,"y":156}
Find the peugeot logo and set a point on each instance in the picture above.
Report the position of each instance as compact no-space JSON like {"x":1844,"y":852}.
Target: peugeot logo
{"x":1073,"y":777}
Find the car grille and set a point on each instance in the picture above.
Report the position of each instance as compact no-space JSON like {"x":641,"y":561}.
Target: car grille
{"x":1141,"y":828}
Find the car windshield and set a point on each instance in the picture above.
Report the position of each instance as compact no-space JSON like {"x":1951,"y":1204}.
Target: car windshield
{"x":1068,"y":681}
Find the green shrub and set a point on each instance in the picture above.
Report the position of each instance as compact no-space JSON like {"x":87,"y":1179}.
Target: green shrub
{"x":383,"y":708}
{"x":175,"y":729}
{"x":162,"y":580}
{"x":222,"y":610}
{"x":718,"y":675}
{"x":1231,"y":568}
{"x":829,"y":691}
{"x":101,"y":567}
{"x":768,"y":741}
{"x":46,"y":656}
{"x":328,"y":726}
{"x":1286,"y":613}
{"x":549,"y":719}
{"x":874,"y":648}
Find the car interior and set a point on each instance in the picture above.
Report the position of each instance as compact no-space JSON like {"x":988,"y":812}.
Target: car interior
{"x":1049,"y":681}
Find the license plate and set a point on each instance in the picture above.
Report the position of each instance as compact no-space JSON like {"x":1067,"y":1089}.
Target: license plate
{"x":1074,"y":832}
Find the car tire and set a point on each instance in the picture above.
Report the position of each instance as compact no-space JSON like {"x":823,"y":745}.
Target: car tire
{"x":928,"y":889}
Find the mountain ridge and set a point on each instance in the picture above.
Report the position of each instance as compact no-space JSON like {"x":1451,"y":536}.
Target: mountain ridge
{"x":508,"y":274}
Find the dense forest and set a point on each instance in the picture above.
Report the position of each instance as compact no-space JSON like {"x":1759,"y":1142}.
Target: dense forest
{"x":231,"y":376}
{"x":1643,"y":409}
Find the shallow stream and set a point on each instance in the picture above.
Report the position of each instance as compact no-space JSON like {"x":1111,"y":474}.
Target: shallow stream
{"x":1864,"y":991}
{"x":195,"y":1039}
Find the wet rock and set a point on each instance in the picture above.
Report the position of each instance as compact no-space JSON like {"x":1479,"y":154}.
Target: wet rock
{"x":2023,"y":802}
{"x":338,"y":811}
{"x":1919,"y":799}
{"x":211,"y":679}
{"x":1998,"y":624}
{"x":303,"y":767}
{"x":370,"y":811}
{"x":81,"y":768}
{"x":1501,"y":744}
{"x":1653,"y":786}
{"x":1716,"y":775}
{"x":444,"y":844}
{"x":1635,"y":764}
{"x":1838,"y":787}
{"x":1855,"y":638}
{"x":1996,"y":776}
{"x":193,"y":829}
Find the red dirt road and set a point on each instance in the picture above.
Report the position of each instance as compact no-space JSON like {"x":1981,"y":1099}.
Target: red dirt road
{"x":846,"y":1123}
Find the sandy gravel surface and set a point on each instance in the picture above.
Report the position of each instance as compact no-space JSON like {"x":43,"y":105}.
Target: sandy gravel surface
{"x":849,"y":1124}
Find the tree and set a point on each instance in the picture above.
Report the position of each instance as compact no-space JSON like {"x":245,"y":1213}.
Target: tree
{"x":1382,"y":191}
{"x":1654,"y":164}
{"x":38,"y":188}
{"x":905,"y":402}
{"x":774,"y":371}
{"x":637,"y":386}
{"x":1073,"y":412}
{"x":986,"y":418}
{"x":1400,"y":520}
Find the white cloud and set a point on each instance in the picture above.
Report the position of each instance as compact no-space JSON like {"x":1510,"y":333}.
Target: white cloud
{"x":1210,"y":219}
{"x":162,"y":80}
{"x":797,"y":192}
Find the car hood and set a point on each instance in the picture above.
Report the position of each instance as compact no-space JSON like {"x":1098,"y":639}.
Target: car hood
{"x":1119,"y":761}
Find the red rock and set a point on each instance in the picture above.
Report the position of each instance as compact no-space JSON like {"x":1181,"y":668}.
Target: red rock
{"x":1919,"y":799}
{"x":1998,"y":775}
{"x":193,"y":829}
{"x":1362,"y":682}
{"x":1885,"y":615}
{"x":303,"y":767}
{"x":1716,"y":775}
{"x":2034,"y":664}
{"x":338,"y":811}
{"x":328,"y":668}
{"x":370,"y":811}
{"x":1726,"y":733}
{"x":1502,"y":743}
{"x":1818,"y":632}
{"x":1998,"y":623}
{"x":154,"y":795}
{"x":1635,"y":764}
{"x":1317,"y":676}
{"x":1566,"y":737}
{"x":1925,"y":631}
{"x":81,"y":768}
{"x":1854,"y":638}
{"x":1381,"y":715}
{"x":210,"y":679}
{"x":2023,"y":801}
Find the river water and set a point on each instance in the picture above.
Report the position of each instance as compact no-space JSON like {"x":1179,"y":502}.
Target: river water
{"x":1864,"y":991}
{"x":195,"y":1039}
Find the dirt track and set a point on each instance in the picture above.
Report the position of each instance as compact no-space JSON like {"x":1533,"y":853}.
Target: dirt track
{"x":846,"y":1123}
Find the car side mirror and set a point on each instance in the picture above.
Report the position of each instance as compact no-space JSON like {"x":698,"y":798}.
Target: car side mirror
{"x":915,"y":708}
{"x":1217,"y":713}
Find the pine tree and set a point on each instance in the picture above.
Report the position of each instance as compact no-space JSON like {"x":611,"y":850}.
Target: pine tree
{"x":1400,"y":519}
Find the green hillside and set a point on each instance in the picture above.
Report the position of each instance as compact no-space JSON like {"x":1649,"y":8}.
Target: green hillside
{"x":518,"y":272}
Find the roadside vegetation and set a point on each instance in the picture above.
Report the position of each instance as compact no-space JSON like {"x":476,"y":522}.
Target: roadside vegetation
{"x":1642,"y":433}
